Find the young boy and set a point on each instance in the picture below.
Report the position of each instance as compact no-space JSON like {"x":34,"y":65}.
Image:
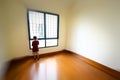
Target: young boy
{"x":35,"y":48}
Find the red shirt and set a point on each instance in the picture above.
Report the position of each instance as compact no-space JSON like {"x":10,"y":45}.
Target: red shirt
{"x":35,"y":44}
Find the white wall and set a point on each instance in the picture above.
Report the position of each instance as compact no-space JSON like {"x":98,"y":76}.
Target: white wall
{"x":93,"y":30}
{"x":16,"y":28}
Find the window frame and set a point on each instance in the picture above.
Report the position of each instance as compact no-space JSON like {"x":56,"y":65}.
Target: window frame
{"x":44,"y":28}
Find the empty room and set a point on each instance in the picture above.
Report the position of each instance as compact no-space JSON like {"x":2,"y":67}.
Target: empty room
{"x":59,"y":40}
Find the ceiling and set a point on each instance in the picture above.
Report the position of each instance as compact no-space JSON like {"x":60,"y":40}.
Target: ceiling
{"x":49,"y":4}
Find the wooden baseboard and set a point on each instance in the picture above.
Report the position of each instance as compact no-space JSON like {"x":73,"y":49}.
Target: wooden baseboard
{"x":51,"y":53}
{"x":41,"y":55}
{"x":106,"y":69}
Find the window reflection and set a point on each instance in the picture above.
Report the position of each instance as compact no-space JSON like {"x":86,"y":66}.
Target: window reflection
{"x":45,"y":70}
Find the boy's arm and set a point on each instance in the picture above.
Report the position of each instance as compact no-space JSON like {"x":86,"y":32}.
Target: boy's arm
{"x":38,"y":42}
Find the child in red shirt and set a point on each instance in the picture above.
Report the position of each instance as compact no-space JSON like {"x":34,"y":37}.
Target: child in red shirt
{"x":35,"y":48}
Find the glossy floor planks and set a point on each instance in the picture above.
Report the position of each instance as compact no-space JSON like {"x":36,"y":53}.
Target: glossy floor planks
{"x":62,"y":66}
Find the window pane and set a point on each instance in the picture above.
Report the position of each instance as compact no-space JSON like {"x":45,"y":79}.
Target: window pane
{"x":44,"y":26}
{"x":36,"y":23}
{"x":41,"y":43}
{"x":51,"y":42}
{"x":51,"y":26}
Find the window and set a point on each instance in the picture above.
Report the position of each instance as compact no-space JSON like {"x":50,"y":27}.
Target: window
{"x":45,"y":26}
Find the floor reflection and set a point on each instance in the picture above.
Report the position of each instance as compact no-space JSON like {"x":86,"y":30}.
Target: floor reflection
{"x":44,"y":70}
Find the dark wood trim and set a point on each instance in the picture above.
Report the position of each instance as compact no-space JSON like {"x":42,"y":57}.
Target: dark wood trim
{"x":41,"y":55}
{"x":99,"y":66}
{"x":51,"y":53}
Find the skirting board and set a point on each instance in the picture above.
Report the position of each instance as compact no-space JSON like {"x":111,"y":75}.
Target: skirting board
{"x":106,"y":69}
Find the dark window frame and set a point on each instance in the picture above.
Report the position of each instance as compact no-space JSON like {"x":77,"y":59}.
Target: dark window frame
{"x":44,"y":28}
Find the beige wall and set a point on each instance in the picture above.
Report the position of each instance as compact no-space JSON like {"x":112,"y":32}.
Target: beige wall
{"x":2,"y":51}
{"x":2,"y":41}
{"x":93,"y":30}
{"x":16,"y":28}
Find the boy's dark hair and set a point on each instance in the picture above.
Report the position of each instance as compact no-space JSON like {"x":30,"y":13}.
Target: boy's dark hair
{"x":35,"y":37}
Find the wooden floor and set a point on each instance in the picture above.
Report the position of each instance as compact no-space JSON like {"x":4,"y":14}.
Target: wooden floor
{"x":62,"y":66}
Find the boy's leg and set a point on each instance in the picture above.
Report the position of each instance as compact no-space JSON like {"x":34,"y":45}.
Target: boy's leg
{"x":37,"y":55}
{"x":34,"y":55}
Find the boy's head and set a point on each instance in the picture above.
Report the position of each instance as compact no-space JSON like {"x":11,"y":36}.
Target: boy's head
{"x":35,"y":37}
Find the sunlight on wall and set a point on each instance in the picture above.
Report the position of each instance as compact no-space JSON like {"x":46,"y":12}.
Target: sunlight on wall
{"x":90,"y":38}
{"x":94,"y":31}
